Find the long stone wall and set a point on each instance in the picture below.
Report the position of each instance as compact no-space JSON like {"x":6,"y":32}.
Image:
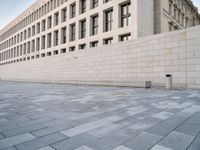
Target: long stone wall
{"x":129,"y":63}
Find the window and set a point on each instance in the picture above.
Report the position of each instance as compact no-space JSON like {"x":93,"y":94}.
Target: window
{"x":43,"y":25}
{"x":82,"y":6}
{"x":63,"y":50}
{"x":95,"y":3}
{"x":33,"y":46}
{"x":28,"y":47}
{"x":108,"y":20}
{"x":38,"y":44}
{"x":107,"y":41}
{"x":125,"y":37}
{"x":56,"y":18}
{"x":64,"y":14}
{"x":33,"y":30}
{"x":48,"y":53}
{"x":94,"y":23}
{"x":63,"y":34}
{"x":56,"y":38}
{"x":49,"y":39}
{"x":24,"y":49}
{"x":71,"y":49}
{"x":43,"y":42}
{"x":126,"y":14}
{"x":72,"y":32}
{"x":49,"y":22}
{"x":105,"y":1}
{"x":38,"y":27}
{"x":55,"y":52}
{"x":73,"y":10}
{"x":29,"y":32}
{"x":94,"y":44}
{"x":82,"y":29}
{"x":82,"y":46}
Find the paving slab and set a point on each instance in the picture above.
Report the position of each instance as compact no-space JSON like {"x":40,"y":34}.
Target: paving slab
{"x":79,"y":117}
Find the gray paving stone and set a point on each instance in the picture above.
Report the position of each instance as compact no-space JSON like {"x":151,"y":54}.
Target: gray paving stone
{"x":41,"y":142}
{"x":21,"y":130}
{"x":10,"y":148}
{"x":195,"y":144}
{"x":89,"y":126}
{"x":74,"y":142}
{"x":188,"y":128}
{"x":83,"y":148}
{"x":109,"y":142}
{"x":177,"y":141}
{"x":6,"y":143}
{"x":95,"y":117}
{"x":46,"y":148}
{"x":1,"y":136}
{"x":143,"y":141}
{"x":121,"y":147}
{"x":194,"y":119}
{"x":159,"y":147}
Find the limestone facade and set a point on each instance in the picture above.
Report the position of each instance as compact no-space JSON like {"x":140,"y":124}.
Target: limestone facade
{"x":129,"y":63}
{"x":98,"y":42}
{"x":170,"y":15}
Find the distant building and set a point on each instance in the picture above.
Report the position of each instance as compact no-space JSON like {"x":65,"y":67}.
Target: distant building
{"x":170,"y":15}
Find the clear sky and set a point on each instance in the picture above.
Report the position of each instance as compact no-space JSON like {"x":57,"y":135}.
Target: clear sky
{"x":9,"y":9}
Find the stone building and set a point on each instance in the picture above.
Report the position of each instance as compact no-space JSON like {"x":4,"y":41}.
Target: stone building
{"x":83,"y":41}
{"x":170,"y":15}
{"x":49,"y":27}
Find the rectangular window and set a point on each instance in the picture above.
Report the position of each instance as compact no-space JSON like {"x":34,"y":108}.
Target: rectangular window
{"x":28,"y":47}
{"x":38,"y":44}
{"x":95,"y":3}
{"x":55,"y":52}
{"x":126,"y":14}
{"x":33,"y":30}
{"x":49,"y":22}
{"x":94,"y":23}
{"x":64,"y":14}
{"x":49,"y":39}
{"x":82,"y":46}
{"x":72,"y":32}
{"x":56,"y":18}
{"x":71,"y":49}
{"x":107,"y":41}
{"x":56,"y":38}
{"x":82,"y":29}
{"x":24,"y":49}
{"x":73,"y":10}
{"x":82,"y":6}
{"x":63,"y":35}
{"x":33,"y":46}
{"x":94,"y":44}
{"x":38,"y":27}
{"x":63,"y":50}
{"x":108,"y":20}
{"x":105,"y":1}
{"x":29,"y":32}
{"x":43,"y":25}
{"x":43,"y":42}
{"x":125,"y":37}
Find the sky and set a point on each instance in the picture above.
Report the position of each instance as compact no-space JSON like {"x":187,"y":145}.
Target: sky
{"x":10,"y":9}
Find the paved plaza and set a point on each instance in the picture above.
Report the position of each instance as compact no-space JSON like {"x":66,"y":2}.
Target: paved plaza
{"x":36,"y":116}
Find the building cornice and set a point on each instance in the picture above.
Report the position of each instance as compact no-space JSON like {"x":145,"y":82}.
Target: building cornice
{"x":23,"y":15}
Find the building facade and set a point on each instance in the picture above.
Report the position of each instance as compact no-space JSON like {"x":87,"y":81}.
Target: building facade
{"x":52,"y":27}
{"x":170,"y":15}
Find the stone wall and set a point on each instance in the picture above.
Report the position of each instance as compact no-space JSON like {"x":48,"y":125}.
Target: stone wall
{"x":128,"y":63}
